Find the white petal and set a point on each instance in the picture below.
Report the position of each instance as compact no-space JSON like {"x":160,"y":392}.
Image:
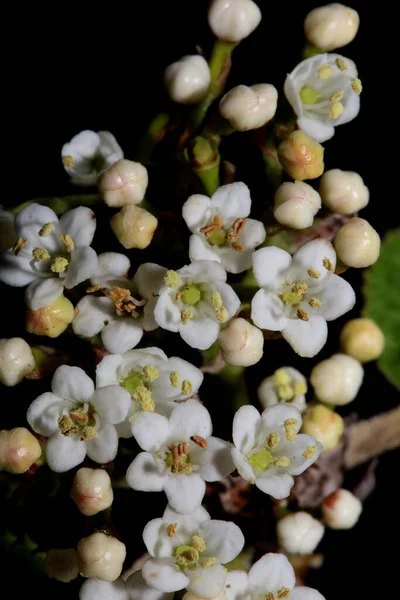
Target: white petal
{"x":271,"y":573}
{"x":269,"y":265}
{"x":109,"y":148}
{"x":295,"y":449}
{"x":166,"y":311}
{"x":232,"y":201}
{"x":203,"y":271}
{"x":139,"y":590}
{"x":200,"y":333}
{"x":267,"y":311}
{"x":80,"y":224}
{"x":292,"y":95}
{"x":162,"y":388}
{"x":312,"y":256}
{"x":85,"y":143}
{"x":82,"y":266}
{"x":190,"y":523}
{"x":224,"y":539}
{"x":188,"y":419}
{"x":246,"y":425}
{"x":207,"y":583}
{"x":157,"y":543}
{"x":96,"y":589}
{"x":163,"y":576}
{"x":185,"y":492}
{"x":106,"y":370}
{"x":337,"y":298}
{"x":236,"y":585}
{"x":306,"y":593}
{"x":104,"y":447}
{"x":146,"y":474}
{"x":35,"y":214}
{"x":111,"y":264}
{"x":72,"y":383}
{"x":243,"y":466}
{"x":351,"y":110}
{"x":43,"y":292}
{"x":64,"y":453}
{"x":91,"y":315}
{"x":234,"y":261}
{"x":200,"y":249}
{"x":230,"y":299}
{"x":319,"y":129}
{"x":274,"y":416}
{"x":149,"y":278}
{"x":44,"y":412}
{"x":197,"y":211}
{"x":253,"y":234}
{"x":215,"y":461}
{"x":121,"y":335}
{"x":306,"y":337}
{"x":112,"y":403}
{"x":151,"y":430}
{"x":16,"y":270}
{"x":276,"y":485}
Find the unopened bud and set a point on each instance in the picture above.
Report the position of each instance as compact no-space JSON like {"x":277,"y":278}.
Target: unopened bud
{"x":331,"y":26}
{"x":341,"y":510}
{"x":50,"y":320}
{"x":357,"y":244}
{"x":19,"y":450}
{"x":188,"y":79}
{"x":296,"y":204}
{"x":324,"y":424}
{"x":101,"y":556}
{"x":134,"y":226}
{"x":7,"y":230}
{"x":249,"y":107}
{"x":299,"y":533}
{"x":241,"y":343}
{"x":343,"y":191}
{"x":233,"y":20}
{"x":62,"y":564}
{"x":16,"y":360}
{"x":301,"y":156}
{"x":362,"y":339}
{"x":337,"y":379}
{"x":91,"y":491}
{"x":125,"y":182}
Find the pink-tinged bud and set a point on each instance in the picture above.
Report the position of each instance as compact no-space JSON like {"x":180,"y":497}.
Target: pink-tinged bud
{"x":301,"y":156}
{"x":16,"y":361}
{"x":62,"y":564}
{"x":50,"y":320}
{"x":134,"y":227}
{"x":101,"y":556}
{"x":341,"y":510}
{"x":241,"y":343}
{"x":125,"y":182}
{"x":91,"y":491}
{"x":19,"y":450}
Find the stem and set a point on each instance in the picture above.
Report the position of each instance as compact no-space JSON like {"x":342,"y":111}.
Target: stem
{"x":273,"y":167}
{"x":61,"y":204}
{"x":205,"y":161}
{"x":155,"y":133}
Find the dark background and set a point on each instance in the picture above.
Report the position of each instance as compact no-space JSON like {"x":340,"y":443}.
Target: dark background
{"x":74,"y":69}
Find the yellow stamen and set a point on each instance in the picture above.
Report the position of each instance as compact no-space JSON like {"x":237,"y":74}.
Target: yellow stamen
{"x":283,"y":593}
{"x":302,"y":314}
{"x":314,"y":273}
{"x":281,"y":377}
{"x":325,"y":72}
{"x":186,"y":315}
{"x":237,"y":246}
{"x":40,"y":254}
{"x":315,"y":302}
{"x":209,"y":562}
{"x":310,"y":451}
{"x":273,"y":440}
{"x":46,"y":229}
{"x":150,"y":373}
{"x":171,"y":529}
{"x":337,"y":96}
{"x":222,"y":314}
{"x":67,"y":241}
{"x":67,"y":426}
{"x":270,"y":596}
{"x":290,"y":429}
{"x":93,"y":288}
{"x":216,"y":300}
{"x":59,"y":265}
{"x":88,"y":433}
{"x":198,"y":544}
{"x":299,"y":388}
{"x":282,"y":461}
{"x":199,"y":441}
{"x":172,"y":279}
{"x":68,"y":161}
{"x":187,"y":387}
{"x":341,"y":64}
{"x":336,"y":110}
{"x":175,"y":379}
{"x":19,"y":244}
{"x":300,"y":288}
{"x":216,"y":225}
{"x":327,"y":264}
{"x":356,"y":85}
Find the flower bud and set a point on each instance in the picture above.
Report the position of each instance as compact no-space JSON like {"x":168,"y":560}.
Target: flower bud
{"x":19,"y":450}
{"x":125,"y":182}
{"x":301,"y":156}
{"x":188,"y":79}
{"x":249,"y":107}
{"x":16,"y":360}
{"x":241,"y":343}
{"x":357,"y":244}
{"x":7,"y":230}
{"x":62,"y":564}
{"x":337,"y":379}
{"x":341,"y":510}
{"x":331,"y":26}
{"x":299,"y":533}
{"x":233,"y":20}
{"x":362,"y":339}
{"x":343,"y":191}
{"x":101,"y":556}
{"x":296,"y":204}
{"x":134,"y":226}
{"x":50,"y":320}
{"x":325,"y":425}
{"x":91,"y":491}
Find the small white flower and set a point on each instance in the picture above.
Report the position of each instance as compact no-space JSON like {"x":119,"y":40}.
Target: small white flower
{"x":97,"y":589}
{"x":138,"y":589}
{"x":88,"y":154}
{"x":180,"y":455}
{"x":270,"y":578}
{"x":77,"y":419}
{"x":268,"y":449}
{"x":189,"y":551}
{"x":154,"y":381}
{"x":126,"y":306}
{"x":285,"y":385}
{"x":195,"y":301}
{"x":49,"y":253}
{"x":220,"y":227}
{"x":324,"y":92}
{"x":300,"y":294}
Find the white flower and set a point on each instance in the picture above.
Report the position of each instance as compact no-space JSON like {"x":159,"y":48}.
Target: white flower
{"x":188,"y":79}
{"x":126,"y":307}
{"x":300,"y":294}
{"x":270,"y":578}
{"x":50,"y":254}
{"x":138,"y":589}
{"x":324,"y":91}
{"x":88,"y":154}
{"x":194,"y":302}
{"x":268,"y":449}
{"x":220,"y":227}
{"x":180,"y":455}
{"x":97,"y":589}
{"x":189,"y":551}
{"x":285,"y":385}
{"x":154,"y":381}
{"x":77,"y":419}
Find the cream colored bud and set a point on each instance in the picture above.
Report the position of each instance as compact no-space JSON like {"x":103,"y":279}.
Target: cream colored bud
{"x":188,"y":79}
{"x":7,"y":230}
{"x":301,"y":156}
{"x":331,"y":26}
{"x":341,"y":510}
{"x":299,"y":533}
{"x":343,"y":191}
{"x":241,"y":343}
{"x":191,"y":596}
{"x":325,"y":425}
{"x":91,"y":491}
{"x":249,"y":107}
{"x":125,"y":182}
{"x":62,"y":564}
{"x":357,"y":244}
{"x":101,"y":556}
{"x":337,"y":379}
{"x":134,"y":226}
{"x":50,"y":320}
{"x":233,"y":20}
{"x":19,"y":450}
{"x":362,"y":339}
{"x":296,"y":204}
{"x":16,"y":360}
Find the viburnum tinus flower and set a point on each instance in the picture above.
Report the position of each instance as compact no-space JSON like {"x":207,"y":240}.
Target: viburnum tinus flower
{"x":88,"y":154}
{"x":285,"y":385}
{"x":49,"y":253}
{"x":154,"y":381}
{"x":194,"y":301}
{"x":324,"y":92}
{"x":77,"y":419}
{"x":133,"y":588}
{"x":299,"y":295}
{"x":221,"y":228}
{"x":126,"y":305}
{"x":180,"y":455}
{"x":189,"y":551}
{"x":270,"y":578}
{"x":268,"y":449}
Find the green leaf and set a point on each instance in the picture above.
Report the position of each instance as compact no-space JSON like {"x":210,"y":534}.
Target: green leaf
{"x":382,"y":303}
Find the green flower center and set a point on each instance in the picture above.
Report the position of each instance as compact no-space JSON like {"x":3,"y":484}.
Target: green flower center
{"x":191,"y":294}
{"x":262,"y":459}
{"x":308,"y":95}
{"x":131,"y":382}
{"x":217,"y":238}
